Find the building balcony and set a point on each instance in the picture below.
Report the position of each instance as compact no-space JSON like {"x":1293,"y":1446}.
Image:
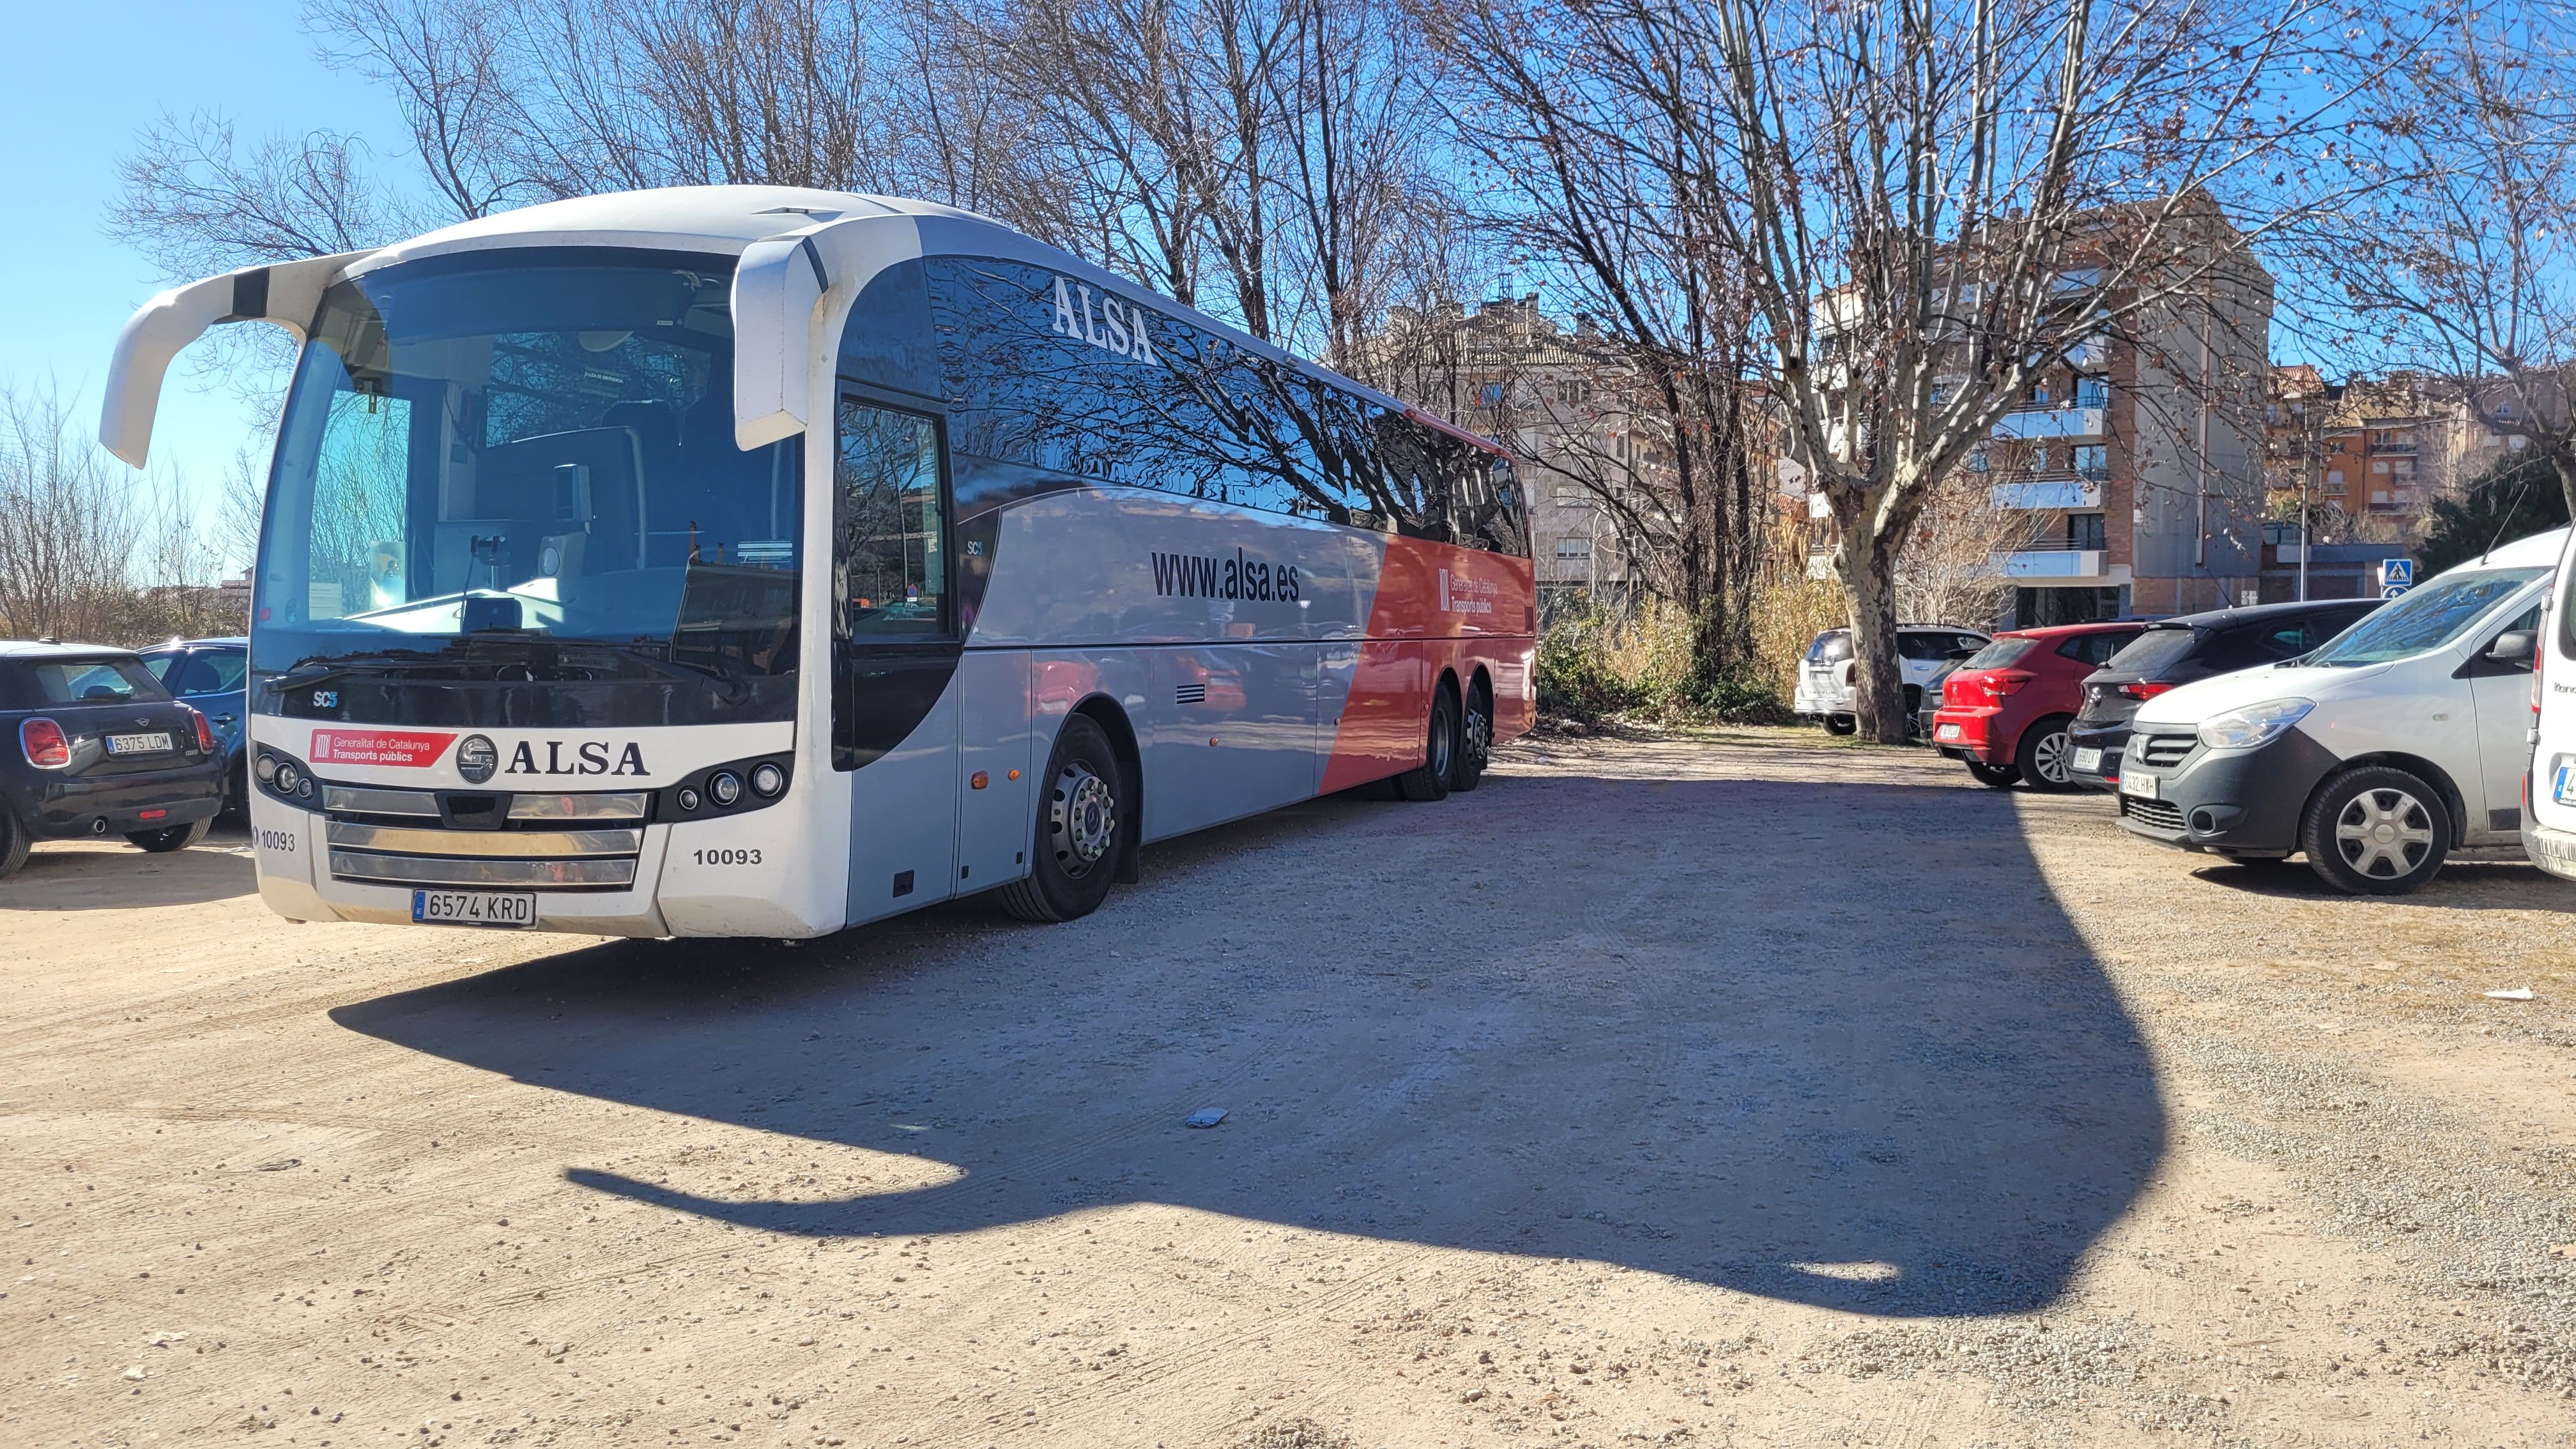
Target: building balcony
{"x":2053,"y":423}
{"x":2071,"y":565}
{"x":2049,"y":493}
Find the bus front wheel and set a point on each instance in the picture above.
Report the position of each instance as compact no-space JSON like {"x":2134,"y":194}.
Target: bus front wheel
{"x":1081,"y":809}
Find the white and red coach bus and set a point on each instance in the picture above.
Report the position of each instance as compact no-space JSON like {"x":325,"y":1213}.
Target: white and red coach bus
{"x":759,"y":562}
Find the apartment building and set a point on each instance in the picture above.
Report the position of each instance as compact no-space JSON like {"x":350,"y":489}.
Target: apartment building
{"x":2138,"y":464}
{"x":1505,"y":370}
{"x":2381,"y":451}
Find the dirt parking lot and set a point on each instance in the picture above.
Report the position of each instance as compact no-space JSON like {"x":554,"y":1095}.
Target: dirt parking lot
{"x":1724,"y":1089}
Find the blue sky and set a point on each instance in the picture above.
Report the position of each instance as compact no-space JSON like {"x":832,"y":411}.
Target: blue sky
{"x":77,"y":81}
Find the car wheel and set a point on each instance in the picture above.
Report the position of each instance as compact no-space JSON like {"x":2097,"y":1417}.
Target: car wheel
{"x":2046,"y":757}
{"x":1430,"y":779}
{"x":176,"y":837}
{"x":1475,"y":742}
{"x":1081,"y":810}
{"x":1841,"y":724}
{"x":2376,"y":831}
{"x":1998,"y":777}
{"x":15,"y":842}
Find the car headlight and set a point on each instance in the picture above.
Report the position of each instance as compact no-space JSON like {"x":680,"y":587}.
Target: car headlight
{"x":2255,"y":724}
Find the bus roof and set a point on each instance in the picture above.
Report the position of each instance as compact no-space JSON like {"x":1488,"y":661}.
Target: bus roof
{"x":727,"y":219}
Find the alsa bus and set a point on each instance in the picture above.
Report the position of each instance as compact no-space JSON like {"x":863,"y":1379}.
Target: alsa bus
{"x":759,"y":562}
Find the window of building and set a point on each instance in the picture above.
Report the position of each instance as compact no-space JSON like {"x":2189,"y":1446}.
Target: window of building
{"x":2092,"y":392}
{"x":1977,"y":460}
{"x":2092,"y":460}
{"x":2084,"y":531}
{"x":1574,"y":548}
{"x":2334,"y":480}
{"x":1493,"y":394}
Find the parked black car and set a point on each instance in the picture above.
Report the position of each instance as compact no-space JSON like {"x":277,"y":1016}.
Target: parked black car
{"x":207,"y":675}
{"x":91,"y":744}
{"x":2180,"y":650}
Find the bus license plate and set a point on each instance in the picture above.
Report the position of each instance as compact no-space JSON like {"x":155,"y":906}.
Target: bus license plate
{"x":2142,"y":786}
{"x":152,"y":744}
{"x":473,"y":908}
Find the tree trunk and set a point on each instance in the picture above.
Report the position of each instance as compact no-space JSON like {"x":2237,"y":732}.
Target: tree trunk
{"x":1868,"y":573}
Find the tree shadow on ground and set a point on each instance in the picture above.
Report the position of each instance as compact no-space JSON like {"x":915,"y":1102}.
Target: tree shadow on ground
{"x":1832,"y":1044}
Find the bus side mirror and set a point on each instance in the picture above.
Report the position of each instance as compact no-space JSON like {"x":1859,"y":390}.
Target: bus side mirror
{"x":778,"y":289}
{"x":2512,"y":646}
{"x":283,"y":294}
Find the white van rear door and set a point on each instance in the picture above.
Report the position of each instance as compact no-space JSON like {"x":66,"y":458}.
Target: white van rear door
{"x":2555,"y":751}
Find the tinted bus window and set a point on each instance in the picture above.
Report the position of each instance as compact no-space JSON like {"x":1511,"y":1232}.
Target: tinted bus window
{"x":1057,"y":374}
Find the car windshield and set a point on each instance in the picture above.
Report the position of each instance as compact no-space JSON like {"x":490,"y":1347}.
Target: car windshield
{"x":93,"y":681}
{"x":2000,"y":653}
{"x":530,"y":444}
{"x":2425,"y":618}
{"x":2155,"y":651}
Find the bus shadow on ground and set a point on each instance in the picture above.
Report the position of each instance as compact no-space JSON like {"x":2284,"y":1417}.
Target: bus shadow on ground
{"x":1832,"y":1044}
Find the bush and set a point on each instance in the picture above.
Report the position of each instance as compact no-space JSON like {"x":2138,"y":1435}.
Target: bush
{"x":2517,"y":496}
{"x":1596,"y":662}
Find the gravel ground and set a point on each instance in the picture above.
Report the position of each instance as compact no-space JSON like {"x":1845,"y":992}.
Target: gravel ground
{"x":1727,"y":1088}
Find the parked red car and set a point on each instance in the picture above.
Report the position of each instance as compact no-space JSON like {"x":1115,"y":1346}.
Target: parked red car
{"x":2004,"y":712}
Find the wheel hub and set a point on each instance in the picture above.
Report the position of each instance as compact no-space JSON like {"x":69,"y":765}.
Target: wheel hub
{"x":1083,"y":818}
{"x":2384,"y":833}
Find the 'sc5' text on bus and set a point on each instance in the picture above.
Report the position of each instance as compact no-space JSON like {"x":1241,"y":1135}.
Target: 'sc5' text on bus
{"x":1110,"y":326}
{"x":590,"y":757}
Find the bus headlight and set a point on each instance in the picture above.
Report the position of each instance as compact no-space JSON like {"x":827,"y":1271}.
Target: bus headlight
{"x":725,"y":787}
{"x":767,"y":780}
{"x":287,"y":775}
{"x":265,"y":767}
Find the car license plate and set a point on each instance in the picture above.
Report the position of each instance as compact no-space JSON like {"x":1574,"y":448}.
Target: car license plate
{"x":474,"y":908}
{"x":1946,"y":734}
{"x":152,"y":744}
{"x":2564,"y":787}
{"x":2142,"y":786}
{"x":2088,"y":759}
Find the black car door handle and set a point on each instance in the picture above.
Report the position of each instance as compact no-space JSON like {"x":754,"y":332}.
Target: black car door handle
{"x":223,"y":719}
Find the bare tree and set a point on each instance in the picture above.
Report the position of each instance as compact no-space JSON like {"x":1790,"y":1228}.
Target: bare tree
{"x":68,"y":524}
{"x":2465,"y":264}
{"x":1928,"y":205}
{"x":1587,"y":151}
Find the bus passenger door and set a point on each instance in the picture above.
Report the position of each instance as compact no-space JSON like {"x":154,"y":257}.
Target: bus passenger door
{"x":895,"y":657}
{"x":996,"y":814}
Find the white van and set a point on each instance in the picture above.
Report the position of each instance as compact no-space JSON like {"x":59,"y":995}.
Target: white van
{"x":2377,"y":753}
{"x":2549,"y":791}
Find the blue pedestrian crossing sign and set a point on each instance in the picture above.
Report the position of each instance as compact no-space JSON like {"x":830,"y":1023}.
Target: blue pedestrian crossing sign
{"x":2396,"y":576}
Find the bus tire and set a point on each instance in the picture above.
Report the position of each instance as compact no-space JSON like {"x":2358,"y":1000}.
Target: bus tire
{"x":1430,"y":779}
{"x":1082,"y":808}
{"x":1475,"y":740}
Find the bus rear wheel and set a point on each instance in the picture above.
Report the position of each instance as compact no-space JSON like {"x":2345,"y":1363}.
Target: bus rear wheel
{"x":1475,"y":741}
{"x":1081,"y":810}
{"x":1430,"y":779}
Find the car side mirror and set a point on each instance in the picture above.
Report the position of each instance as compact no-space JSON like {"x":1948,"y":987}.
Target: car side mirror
{"x":2513,"y":646}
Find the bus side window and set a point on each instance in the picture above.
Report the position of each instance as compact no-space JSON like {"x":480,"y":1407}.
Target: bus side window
{"x":889,"y":544}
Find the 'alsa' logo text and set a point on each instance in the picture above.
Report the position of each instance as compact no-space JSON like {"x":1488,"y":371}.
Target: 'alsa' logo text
{"x":590,"y":757}
{"x":1111,"y":326}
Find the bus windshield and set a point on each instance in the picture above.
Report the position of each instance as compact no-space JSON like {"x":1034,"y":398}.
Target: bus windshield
{"x":527,"y":447}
